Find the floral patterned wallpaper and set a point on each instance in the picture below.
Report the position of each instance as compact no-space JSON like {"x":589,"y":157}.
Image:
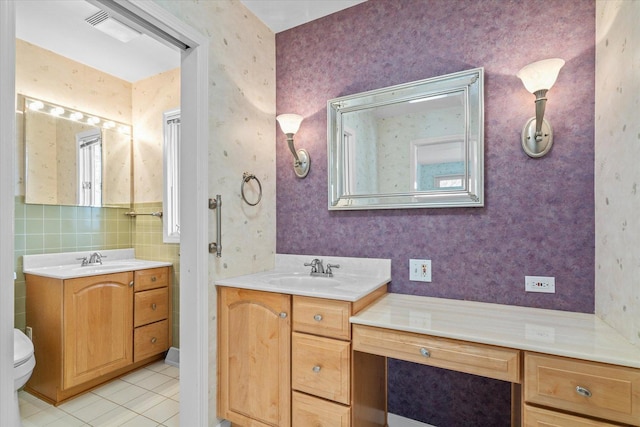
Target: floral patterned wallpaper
{"x":617,"y":198}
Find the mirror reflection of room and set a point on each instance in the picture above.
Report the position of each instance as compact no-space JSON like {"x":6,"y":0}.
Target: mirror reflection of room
{"x":74,"y":158}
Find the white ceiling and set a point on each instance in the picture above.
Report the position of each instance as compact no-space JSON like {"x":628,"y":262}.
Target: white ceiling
{"x":59,"y":26}
{"x":280,"y":15}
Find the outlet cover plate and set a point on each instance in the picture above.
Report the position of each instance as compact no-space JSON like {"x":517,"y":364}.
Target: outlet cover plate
{"x":420,"y":270}
{"x":542,"y":284}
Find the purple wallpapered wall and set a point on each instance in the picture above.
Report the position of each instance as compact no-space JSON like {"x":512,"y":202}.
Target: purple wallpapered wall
{"x":538,"y":217}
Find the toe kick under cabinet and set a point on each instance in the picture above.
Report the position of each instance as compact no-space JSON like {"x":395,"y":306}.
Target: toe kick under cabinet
{"x":89,"y":330}
{"x":286,"y":361}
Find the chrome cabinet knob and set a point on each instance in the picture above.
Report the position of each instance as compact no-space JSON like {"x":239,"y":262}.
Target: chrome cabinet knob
{"x":316,"y":369}
{"x":583,"y":391}
{"x":154,"y":340}
{"x":154,"y":306}
{"x":425,"y":352}
{"x":283,"y":315}
{"x":153,"y":278}
{"x":131,"y":284}
{"x":317,"y":317}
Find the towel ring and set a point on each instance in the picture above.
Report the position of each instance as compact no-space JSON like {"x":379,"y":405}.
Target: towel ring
{"x":246,"y":177}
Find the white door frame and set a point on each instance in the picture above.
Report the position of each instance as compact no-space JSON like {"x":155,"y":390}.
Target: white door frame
{"x":7,"y":183}
{"x":194,"y":256}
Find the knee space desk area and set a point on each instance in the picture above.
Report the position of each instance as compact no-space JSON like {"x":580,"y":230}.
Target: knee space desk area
{"x":566,"y":368}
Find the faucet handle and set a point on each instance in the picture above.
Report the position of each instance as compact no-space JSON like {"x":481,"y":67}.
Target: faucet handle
{"x":84,"y":260}
{"x":329,"y":267}
{"x":313,"y":264}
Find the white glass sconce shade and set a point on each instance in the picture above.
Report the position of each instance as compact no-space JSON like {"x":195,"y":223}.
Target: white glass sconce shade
{"x":290,"y":123}
{"x":538,"y":77}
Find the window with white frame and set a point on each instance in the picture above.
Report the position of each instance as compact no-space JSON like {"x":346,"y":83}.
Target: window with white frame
{"x":171,"y":196}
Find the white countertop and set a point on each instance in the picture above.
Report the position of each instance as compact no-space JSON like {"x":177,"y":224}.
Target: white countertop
{"x":65,"y":265}
{"x":356,"y":277}
{"x":578,"y":335}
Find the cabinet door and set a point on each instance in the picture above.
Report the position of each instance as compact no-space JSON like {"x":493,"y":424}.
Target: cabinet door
{"x":98,"y":326}
{"x":254,"y":342}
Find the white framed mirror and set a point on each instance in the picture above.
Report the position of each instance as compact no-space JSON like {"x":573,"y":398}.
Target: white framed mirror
{"x":414,"y":145}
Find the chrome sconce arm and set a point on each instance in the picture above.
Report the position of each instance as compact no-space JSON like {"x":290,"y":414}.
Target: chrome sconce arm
{"x":538,"y":78}
{"x":289,"y":124}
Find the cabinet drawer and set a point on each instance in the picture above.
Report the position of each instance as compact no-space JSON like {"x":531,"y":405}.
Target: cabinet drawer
{"x":150,"y":340}
{"x":589,"y":388}
{"x":329,"y":318}
{"x":151,"y":279}
{"x":151,"y":306}
{"x":312,"y":411}
{"x":539,"y":417}
{"x":478,"y":359}
{"x":320,"y":366}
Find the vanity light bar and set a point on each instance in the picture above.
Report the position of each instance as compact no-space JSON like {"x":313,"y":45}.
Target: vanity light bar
{"x":77,"y":116}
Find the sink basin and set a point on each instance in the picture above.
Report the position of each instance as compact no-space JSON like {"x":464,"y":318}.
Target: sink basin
{"x":106,"y":267}
{"x":304,"y":282}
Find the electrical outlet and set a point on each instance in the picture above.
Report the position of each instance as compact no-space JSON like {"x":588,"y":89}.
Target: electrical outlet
{"x":540,"y":284}
{"x":420,"y":270}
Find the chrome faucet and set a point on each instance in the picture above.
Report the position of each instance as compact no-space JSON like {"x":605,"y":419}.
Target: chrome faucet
{"x":96,"y":258}
{"x":317,"y":268}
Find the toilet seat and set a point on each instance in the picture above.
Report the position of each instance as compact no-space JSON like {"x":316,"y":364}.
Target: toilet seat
{"x":22,"y":348}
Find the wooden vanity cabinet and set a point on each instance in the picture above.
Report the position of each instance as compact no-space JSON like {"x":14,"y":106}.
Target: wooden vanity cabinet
{"x":323,"y":367}
{"x":254,"y":347}
{"x":97,"y":322}
{"x":91,"y":329}
{"x":273,"y":374}
{"x":152,"y":313}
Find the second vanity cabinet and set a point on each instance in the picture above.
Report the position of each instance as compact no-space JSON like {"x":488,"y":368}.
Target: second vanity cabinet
{"x":286,"y":360}
{"x":90,"y":329}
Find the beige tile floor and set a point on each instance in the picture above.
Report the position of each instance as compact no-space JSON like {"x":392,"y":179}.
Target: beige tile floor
{"x":149,"y":396}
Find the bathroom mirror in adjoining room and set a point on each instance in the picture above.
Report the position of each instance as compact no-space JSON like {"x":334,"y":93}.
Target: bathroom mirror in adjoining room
{"x":414,"y":145}
{"x":74,"y":158}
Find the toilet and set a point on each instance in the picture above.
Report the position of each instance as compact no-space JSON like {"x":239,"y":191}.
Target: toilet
{"x":23,"y":363}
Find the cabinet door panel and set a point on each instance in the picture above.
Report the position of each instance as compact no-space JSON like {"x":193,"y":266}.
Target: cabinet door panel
{"x":98,"y":326}
{"x":254,"y":356}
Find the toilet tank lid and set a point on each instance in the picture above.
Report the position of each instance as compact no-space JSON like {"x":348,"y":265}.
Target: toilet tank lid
{"x":22,"y":347}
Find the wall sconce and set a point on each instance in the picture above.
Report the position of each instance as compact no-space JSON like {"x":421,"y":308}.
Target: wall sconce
{"x":538,"y":77}
{"x":290,"y":123}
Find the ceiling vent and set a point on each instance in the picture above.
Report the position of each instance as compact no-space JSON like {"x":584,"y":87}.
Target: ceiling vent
{"x":112,"y":27}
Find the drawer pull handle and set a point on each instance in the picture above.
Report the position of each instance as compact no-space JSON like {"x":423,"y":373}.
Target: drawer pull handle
{"x":154,"y":306}
{"x":153,"y":278}
{"x":425,"y":352}
{"x":317,"y":317}
{"x":154,"y":340}
{"x":283,"y":315}
{"x":583,"y":391}
{"x":316,"y":369}
{"x":131,"y":284}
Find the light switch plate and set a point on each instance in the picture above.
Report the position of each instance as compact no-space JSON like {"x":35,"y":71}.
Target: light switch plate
{"x":420,"y":270}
